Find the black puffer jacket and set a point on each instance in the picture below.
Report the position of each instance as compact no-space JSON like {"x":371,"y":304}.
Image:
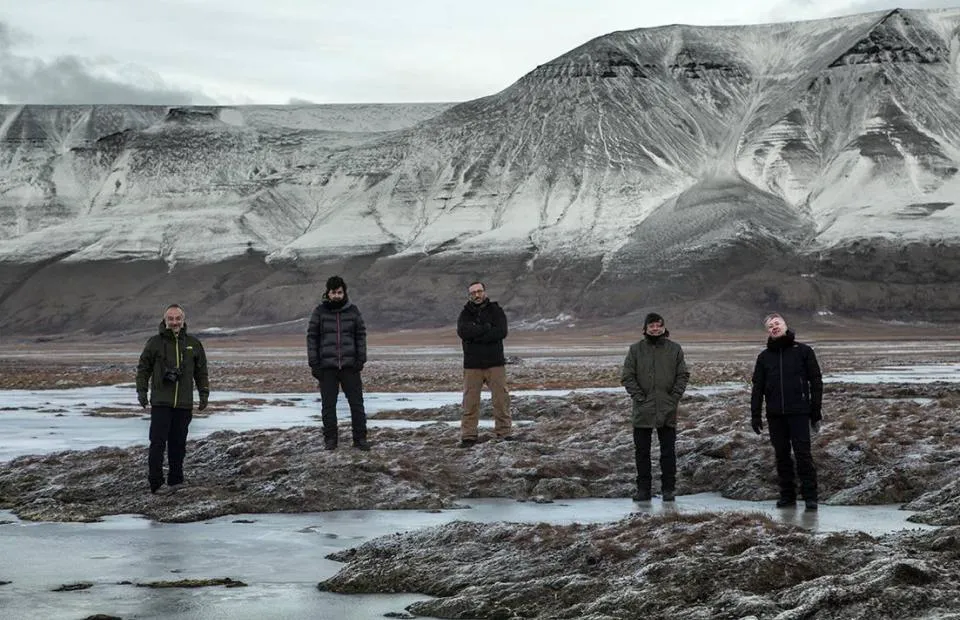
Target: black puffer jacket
{"x":787,"y":376}
{"x":336,"y":338}
{"x":482,"y":328}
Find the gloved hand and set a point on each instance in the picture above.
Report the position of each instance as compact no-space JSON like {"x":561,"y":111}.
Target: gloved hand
{"x":358,"y":366}
{"x":204,"y":397}
{"x":142,"y":399}
{"x":816,"y":415}
{"x":757,"y":425}
{"x":815,"y":427}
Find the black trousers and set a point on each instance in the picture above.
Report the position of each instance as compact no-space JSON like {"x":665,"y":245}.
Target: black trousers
{"x":331,"y":380}
{"x":168,"y":432}
{"x":793,"y":432}
{"x":642,"y":438}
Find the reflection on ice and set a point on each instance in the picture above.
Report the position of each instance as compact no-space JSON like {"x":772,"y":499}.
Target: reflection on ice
{"x":282,"y":556}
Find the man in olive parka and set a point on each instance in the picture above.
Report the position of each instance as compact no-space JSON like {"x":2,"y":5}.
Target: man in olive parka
{"x":655,"y":375}
{"x":171,"y":363}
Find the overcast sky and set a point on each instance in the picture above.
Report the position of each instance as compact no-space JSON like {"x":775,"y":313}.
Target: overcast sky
{"x":327,"y":51}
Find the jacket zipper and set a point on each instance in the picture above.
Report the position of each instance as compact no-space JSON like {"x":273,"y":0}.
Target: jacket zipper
{"x":783,"y":400}
{"x":339,"y":351}
{"x":653,"y":387}
{"x":176,"y":388}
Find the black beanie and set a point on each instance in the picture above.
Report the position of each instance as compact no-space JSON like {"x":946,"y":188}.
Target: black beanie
{"x":335,"y":282}
{"x":653,"y":317}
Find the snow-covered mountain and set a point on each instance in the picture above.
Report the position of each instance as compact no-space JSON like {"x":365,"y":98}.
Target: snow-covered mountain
{"x":720,"y":171}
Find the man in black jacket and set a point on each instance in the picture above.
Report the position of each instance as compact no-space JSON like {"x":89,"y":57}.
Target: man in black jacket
{"x":337,"y":351}
{"x":482,"y":326}
{"x":171,"y":363}
{"x":788,"y":378}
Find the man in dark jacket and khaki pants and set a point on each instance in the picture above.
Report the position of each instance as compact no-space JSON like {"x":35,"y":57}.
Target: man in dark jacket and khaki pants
{"x":655,"y":375}
{"x":171,"y":362}
{"x":482,"y":326}
{"x":337,"y":351}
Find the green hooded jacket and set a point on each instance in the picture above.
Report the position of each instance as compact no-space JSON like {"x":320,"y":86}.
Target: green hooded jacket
{"x":165,"y":351}
{"x":655,"y":375}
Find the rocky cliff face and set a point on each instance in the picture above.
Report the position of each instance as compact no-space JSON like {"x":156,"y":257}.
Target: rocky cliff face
{"x":806,"y":166}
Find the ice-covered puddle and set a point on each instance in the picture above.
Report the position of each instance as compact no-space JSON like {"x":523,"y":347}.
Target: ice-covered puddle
{"x":282,"y":556}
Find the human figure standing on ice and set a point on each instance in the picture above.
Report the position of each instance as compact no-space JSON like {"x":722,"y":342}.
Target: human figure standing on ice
{"x":482,"y":327}
{"x":655,"y":375}
{"x":337,"y":351}
{"x":171,"y":363}
{"x":787,"y":377}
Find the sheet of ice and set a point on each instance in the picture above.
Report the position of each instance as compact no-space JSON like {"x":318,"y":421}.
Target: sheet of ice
{"x":282,"y":556}
{"x":44,"y":421}
{"x":926,"y":373}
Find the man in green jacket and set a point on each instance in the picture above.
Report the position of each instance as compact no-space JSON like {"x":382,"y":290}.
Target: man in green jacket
{"x":171,"y":362}
{"x":655,"y":375}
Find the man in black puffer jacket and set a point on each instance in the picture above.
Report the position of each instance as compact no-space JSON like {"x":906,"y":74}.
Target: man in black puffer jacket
{"x":788,"y":378}
{"x":337,"y":351}
{"x":482,"y":326}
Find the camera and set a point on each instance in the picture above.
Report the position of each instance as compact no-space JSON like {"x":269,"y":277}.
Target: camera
{"x":171,"y":375}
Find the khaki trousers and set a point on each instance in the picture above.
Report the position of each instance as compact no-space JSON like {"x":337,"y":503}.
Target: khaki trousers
{"x":496,"y":380}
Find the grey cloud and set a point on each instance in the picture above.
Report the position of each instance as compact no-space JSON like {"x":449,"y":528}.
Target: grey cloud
{"x":869,"y":6}
{"x":71,"y":80}
{"x":866,"y":6}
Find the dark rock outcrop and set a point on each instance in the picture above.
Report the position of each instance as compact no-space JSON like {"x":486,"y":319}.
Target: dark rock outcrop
{"x":666,"y":566}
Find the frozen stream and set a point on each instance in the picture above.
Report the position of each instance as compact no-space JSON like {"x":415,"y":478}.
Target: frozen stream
{"x":280,"y":556}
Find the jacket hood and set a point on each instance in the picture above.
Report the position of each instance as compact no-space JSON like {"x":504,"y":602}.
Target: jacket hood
{"x":657,"y":339}
{"x":783,"y":342}
{"x":330,"y":307}
{"x":476,"y":307}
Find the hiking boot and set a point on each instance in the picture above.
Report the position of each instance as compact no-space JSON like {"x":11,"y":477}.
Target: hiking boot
{"x":810,"y":505}
{"x":642,"y":496}
{"x":786,"y":502}
{"x":170,"y":489}
{"x":155,"y":486}
{"x":362,"y":444}
{"x":669,"y":496}
{"x":467,"y":443}
{"x":330,"y":444}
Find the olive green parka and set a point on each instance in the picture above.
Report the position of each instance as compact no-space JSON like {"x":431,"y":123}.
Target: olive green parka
{"x":655,"y":375}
